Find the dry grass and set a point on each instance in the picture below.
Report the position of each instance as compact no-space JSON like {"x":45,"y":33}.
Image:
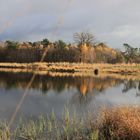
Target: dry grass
{"x":121,"y":123}
{"x":4,"y":131}
{"x":76,"y":67}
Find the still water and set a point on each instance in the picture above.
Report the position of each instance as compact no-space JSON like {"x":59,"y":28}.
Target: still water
{"x":80,"y":94}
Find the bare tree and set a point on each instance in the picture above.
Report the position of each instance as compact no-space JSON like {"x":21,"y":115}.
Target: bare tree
{"x":84,"y":38}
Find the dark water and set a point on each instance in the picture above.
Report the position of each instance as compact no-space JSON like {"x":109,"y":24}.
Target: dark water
{"x":80,"y":94}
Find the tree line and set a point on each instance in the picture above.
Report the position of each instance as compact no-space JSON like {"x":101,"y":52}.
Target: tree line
{"x":85,"y":50}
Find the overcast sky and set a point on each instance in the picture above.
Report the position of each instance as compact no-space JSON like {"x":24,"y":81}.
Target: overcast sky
{"x":111,"y":21}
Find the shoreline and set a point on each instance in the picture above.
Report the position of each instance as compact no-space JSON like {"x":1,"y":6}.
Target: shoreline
{"x":75,"y":74}
{"x":63,"y":67}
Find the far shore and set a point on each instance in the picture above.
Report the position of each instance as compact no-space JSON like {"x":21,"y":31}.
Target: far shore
{"x":123,"y":71}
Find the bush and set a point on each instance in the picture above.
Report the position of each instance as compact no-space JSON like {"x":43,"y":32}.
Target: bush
{"x":120,"y":123}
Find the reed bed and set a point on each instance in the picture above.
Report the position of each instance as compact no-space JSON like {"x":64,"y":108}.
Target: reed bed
{"x":100,"y":74}
{"x":76,"y":67}
{"x":51,"y":128}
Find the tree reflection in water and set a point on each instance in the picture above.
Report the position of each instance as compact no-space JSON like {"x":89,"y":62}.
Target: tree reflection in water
{"x":128,"y":85}
{"x":87,"y":87}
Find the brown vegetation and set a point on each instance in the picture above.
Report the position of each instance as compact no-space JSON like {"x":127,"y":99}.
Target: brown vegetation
{"x":105,"y":54}
{"x":133,"y":69}
{"x":28,"y":52}
{"x":121,"y":123}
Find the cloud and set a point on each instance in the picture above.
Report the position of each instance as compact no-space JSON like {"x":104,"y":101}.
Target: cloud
{"x":110,"y":21}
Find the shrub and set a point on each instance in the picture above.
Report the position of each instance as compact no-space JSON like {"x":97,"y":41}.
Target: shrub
{"x":120,"y":123}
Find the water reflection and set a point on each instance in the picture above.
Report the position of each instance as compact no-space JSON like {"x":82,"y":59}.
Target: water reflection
{"x":47,"y":93}
{"x":129,"y":85}
{"x":84,"y":85}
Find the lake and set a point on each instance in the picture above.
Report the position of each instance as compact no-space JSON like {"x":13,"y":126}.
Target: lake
{"x":53,"y":93}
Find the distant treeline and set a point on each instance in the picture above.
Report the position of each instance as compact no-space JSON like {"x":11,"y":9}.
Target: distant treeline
{"x":27,"y":52}
{"x":85,"y":50}
{"x":29,"y":55}
{"x":83,"y":53}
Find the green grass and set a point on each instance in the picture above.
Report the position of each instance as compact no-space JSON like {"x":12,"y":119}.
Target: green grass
{"x":51,"y":128}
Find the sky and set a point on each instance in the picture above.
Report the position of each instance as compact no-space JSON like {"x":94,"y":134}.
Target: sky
{"x":113,"y":22}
